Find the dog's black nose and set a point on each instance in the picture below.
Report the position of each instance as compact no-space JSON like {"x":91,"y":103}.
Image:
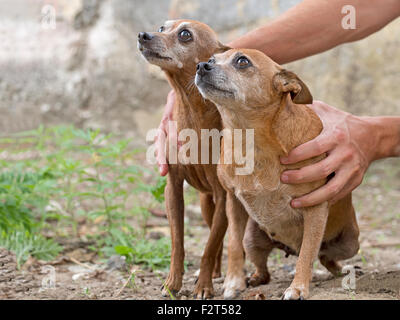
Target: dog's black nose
{"x":203,"y":68}
{"x":144,"y":37}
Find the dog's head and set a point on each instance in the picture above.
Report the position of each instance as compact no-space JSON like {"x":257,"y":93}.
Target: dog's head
{"x":246,"y":77}
{"x":179,"y":44}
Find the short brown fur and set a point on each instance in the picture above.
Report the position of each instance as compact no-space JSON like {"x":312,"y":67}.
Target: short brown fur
{"x":191,"y":111}
{"x":265,"y":97}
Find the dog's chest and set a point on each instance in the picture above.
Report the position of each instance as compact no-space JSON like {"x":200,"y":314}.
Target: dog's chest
{"x":272,"y":211}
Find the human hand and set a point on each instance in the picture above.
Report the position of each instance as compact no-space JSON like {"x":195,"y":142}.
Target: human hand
{"x":350,"y":143}
{"x":163,"y":132}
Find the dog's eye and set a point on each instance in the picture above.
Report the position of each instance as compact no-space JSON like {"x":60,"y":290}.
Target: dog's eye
{"x":211,"y":61}
{"x":185,"y":35}
{"x":161,"y":29}
{"x":242,"y":62}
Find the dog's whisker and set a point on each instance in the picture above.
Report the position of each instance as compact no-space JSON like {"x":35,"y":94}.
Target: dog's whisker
{"x":191,"y":86}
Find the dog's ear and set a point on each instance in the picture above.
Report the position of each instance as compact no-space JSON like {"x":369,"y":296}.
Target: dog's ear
{"x":222,"y":48}
{"x":288,"y":82}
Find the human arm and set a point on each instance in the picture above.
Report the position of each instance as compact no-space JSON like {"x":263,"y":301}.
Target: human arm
{"x":311,"y":27}
{"x":314,"y":26}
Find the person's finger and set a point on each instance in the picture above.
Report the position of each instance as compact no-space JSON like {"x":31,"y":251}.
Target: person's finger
{"x":354,"y":182}
{"x":310,"y":149}
{"x":324,"y":193}
{"x":162,"y":163}
{"x":163,"y":169}
{"x":160,"y":152}
{"x":313,"y":172}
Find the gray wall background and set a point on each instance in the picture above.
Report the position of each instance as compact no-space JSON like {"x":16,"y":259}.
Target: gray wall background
{"x":88,"y":70}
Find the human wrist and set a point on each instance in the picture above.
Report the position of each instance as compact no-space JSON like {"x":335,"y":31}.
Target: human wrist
{"x":385,"y":132}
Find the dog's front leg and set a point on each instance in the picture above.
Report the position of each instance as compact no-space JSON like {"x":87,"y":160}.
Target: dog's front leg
{"x":204,"y":288}
{"x":315,"y":219}
{"x":235,"y":280}
{"x":175,"y":211}
{"x":208,"y":212}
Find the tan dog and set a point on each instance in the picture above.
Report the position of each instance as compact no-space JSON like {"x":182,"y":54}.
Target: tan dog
{"x":253,"y":92}
{"x":177,"y":48}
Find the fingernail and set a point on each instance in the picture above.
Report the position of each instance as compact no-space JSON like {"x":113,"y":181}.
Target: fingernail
{"x":296,"y":204}
{"x":284,"y":160}
{"x":285,"y":178}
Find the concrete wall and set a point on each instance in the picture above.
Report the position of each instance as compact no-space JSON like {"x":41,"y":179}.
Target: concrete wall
{"x":88,"y":70}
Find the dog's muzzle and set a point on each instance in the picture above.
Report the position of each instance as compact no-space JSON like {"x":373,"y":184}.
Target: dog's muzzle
{"x":144,"y":37}
{"x":203,"y":68}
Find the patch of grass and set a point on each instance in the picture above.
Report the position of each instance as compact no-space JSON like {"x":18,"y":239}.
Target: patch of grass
{"x":25,"y":244}
{"x":20,"y":195}
{"x":158,"y":190}
{"x":74,"y":177}
{"x":153,"y":253}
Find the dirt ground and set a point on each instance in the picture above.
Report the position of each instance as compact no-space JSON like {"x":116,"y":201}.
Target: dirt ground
{"x":79,"y":274}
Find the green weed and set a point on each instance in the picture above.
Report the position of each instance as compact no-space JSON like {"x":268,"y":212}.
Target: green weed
{"x":26,"y":244}
{"x":78,"y":177}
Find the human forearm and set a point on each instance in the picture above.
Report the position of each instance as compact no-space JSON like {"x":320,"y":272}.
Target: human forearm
{"x":387,"y":133}
{"x":314,"y":26}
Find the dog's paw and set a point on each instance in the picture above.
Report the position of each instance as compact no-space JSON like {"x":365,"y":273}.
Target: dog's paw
{"x":295,"y":293}
{"x":258,"y":279}
{"x":203,"y":291}
{"x":233,"y":286}
{"x":169,"y":292}
{"x":171,"y":286}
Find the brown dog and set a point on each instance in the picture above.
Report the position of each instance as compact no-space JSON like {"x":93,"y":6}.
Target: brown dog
{"x":253,"y":92}
{"x":177,"y":48}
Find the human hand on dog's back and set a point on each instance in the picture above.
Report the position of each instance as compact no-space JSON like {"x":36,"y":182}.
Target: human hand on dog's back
{"x":351,"y":144}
